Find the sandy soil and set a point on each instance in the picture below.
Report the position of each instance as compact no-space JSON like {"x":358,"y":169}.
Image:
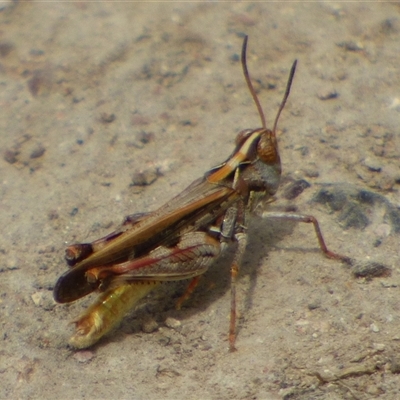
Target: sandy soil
{"x":97,"y":95}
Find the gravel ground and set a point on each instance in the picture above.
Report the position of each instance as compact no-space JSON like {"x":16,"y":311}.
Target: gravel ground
{"x":109,"y":109}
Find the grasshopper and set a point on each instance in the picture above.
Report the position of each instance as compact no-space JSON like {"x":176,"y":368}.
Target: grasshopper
{"x":183,"y":238}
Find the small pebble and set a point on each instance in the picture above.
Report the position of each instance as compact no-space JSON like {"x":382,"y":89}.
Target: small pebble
{"x":393,"y":213}
{"x":141,"y":139}
{"x":44,"y":300}
{"x":374,"y":328}
{"x":395,"y":365}
{"x":314,"y":305}
{"x":37,"y":298}
{"x":107,"y":118}
{"x":149,"y":325}
{"x":164,"y":340}
{"x":379,"y":346}
{"x":382,"y":230}
{"x":83,"y":356}
{"x":327,"y":94}
{"x":144,"y":178}
{"x":37,"y":152}
{"x":373,"y":164}
{"x":389,"y":283}
{"x":350,"y":45}
{"x":173,"y":323}
{"x":10,"y":156}
{"x":370,"y":270}
{"x":311,"y":171}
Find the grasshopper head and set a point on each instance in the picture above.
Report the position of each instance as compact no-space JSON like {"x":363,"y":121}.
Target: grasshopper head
{"x":255,"y":161}
{"x":265,"y":145}
{"x":262,"y":165}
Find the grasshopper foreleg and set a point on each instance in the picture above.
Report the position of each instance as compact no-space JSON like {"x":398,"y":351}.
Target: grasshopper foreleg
{"x":233,"y":228}
{"x":241,"y":239}
{"x":309,"y":219}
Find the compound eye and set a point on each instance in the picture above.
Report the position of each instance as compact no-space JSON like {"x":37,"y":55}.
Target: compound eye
{"x":242,"y":136}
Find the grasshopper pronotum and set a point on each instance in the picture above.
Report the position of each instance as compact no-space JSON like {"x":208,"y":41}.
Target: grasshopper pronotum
{"x":182,"y":239}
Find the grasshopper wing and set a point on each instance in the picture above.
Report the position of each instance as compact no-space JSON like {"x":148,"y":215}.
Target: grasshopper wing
{"x":196,"y":207}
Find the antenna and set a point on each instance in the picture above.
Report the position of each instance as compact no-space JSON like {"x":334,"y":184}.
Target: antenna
{"x":286,"y":95}
{"x":250,"y":85}
{"x":253,"y":92}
